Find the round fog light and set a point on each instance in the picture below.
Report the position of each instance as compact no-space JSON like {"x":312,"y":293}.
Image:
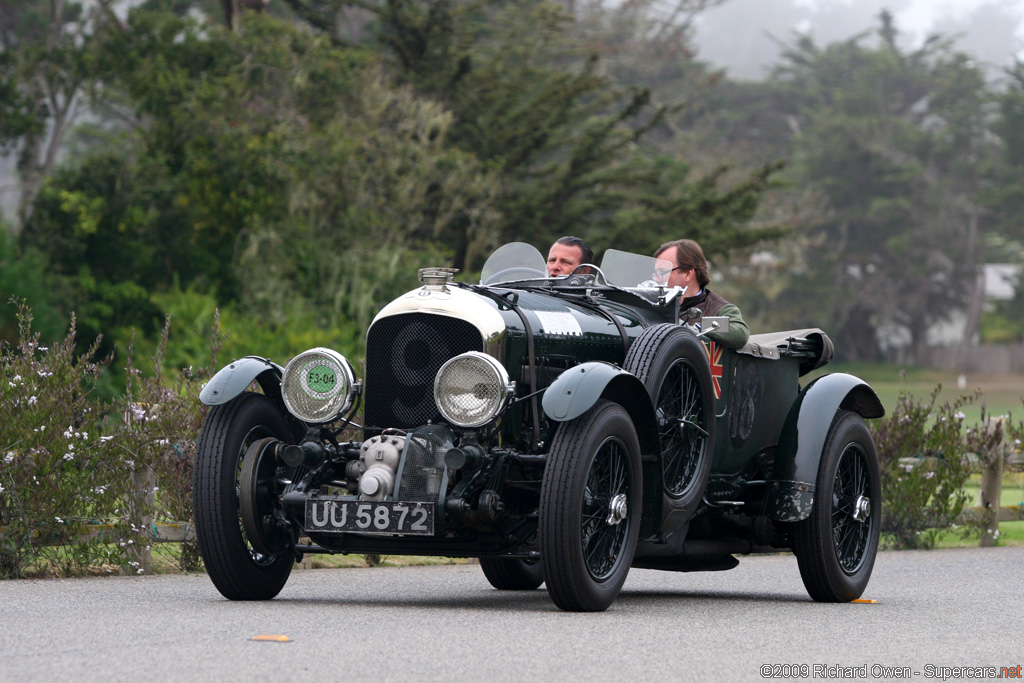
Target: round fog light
{"x":318,"y":385}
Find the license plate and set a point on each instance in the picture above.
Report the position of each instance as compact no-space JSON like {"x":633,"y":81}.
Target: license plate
{"x":369,"y":517}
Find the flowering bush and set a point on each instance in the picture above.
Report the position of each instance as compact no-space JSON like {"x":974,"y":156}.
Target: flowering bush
{"x":159,"y":432}
{"x":1013,"y":440}
{"x":68,"y":462}
{"x":57,"y":472}
{"x":924,"y":465}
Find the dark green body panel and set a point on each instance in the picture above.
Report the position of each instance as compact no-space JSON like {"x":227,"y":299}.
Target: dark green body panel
{"x":565,"y":329}
{"x":752,"y":400}
{"x":565,"y":333}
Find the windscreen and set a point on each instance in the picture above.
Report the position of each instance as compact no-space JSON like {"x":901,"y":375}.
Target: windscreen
{"x":635,"y":270}
{"x":511,"y":262}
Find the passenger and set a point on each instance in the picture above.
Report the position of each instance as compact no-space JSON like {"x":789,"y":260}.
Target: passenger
{"x":691,"y":271}
{"x":566,"y":254}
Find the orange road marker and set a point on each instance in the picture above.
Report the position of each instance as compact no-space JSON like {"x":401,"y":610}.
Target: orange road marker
{"x":866,"y":601}
{"x":276,"y":639}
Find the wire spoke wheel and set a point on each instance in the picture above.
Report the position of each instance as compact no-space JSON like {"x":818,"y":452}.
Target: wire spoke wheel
{"x":608,"y":484}
{"x":589,"y":515}
{"x":682,"y":426}
{"x":851,"y":501}
{"x":672,"y":364}
{"x":837,"y":544}
{"x":260,"y":481}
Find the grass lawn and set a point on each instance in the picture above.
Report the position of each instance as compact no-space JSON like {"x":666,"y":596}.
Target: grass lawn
{"x":1000,"y":394}
{"x":1010,"y":533}
{"x":332,"y":561}
{"x":1013,"y":489}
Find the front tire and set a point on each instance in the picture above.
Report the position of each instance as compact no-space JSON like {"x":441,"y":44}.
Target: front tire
{"x":837,"y":544}
{"x":590,"y":503}
{"x":512,"y":574}
{"x":237,"y":569}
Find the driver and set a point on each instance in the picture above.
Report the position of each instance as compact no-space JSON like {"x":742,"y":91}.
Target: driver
{"x":566,"y":254}
{"x":691,"y":271}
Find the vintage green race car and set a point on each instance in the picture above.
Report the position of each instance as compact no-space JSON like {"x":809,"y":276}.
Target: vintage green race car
{"x":562,"y":430}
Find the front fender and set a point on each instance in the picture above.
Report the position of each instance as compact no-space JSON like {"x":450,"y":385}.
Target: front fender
{"x":232,"y":380}
{"x":791,"y":489}
{"x":577,"y":390}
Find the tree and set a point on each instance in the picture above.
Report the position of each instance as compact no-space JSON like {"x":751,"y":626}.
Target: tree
{"x":300,"y":177}
{"x":530,"y":98}
{"x":892,"y":140}
{"x":43,"y":78}
{"x":1003,"y":198}
{"x":266,"y":164}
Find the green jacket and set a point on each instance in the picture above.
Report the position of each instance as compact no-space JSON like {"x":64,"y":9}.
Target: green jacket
{"x":738,"y":332}
{"x":711,"y":304}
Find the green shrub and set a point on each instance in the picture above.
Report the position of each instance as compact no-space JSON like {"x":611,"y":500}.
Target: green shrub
{"x":240,"y":333}
{"x":69,"y":461}
{"x":924,"y":465}
{"x":24,"y":274}
{"x":58,"y":472}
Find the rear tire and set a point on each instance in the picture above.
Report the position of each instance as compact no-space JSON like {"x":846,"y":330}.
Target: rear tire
{"x":672,"y":364}
{"x":590,"y":503}
{"x":837,"y":544}
{"x":239,"y":571}
{"x":512,"y":574}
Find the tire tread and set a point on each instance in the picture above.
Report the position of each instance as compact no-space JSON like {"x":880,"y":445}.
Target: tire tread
{"x":222,"y":549}
{"x":562,"y":567}
{"x":824,"y":580}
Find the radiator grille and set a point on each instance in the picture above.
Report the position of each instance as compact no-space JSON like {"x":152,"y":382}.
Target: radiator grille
{"x":403,"y":354}
{"x":423,"y":466}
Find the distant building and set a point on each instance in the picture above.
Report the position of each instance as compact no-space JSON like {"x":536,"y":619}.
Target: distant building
{"x":1001,"y":280}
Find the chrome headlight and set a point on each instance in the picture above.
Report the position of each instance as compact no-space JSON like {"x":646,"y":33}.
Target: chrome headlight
{"x":471,"y":389}
{"x":318,"y":385}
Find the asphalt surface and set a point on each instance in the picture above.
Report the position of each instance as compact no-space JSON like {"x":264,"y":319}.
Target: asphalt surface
{"x":949,"y":608}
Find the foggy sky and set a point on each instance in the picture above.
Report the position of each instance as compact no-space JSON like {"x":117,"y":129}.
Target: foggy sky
{"x":738,"y":34}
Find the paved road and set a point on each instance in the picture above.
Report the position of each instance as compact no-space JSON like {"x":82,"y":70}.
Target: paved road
{"x":951,"y":608}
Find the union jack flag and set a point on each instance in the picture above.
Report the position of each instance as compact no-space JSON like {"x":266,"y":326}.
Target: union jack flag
{"x":714,"y":354}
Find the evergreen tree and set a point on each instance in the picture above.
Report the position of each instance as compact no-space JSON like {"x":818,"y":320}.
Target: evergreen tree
{"x":531,"y":99}
{"x":892,"y":139}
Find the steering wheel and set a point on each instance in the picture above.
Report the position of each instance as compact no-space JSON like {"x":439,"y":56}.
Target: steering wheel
{"x":513,"y":274}
{"x":580,"y":280}
{"x":585,"y":275}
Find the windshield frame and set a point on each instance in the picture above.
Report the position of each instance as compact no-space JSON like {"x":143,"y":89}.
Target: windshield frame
{"x":522,"y":263}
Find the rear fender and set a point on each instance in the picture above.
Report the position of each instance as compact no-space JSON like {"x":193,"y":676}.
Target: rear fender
{"x":791,"y":488}
{"x":577,"y":390}
{"x":232,"y":380}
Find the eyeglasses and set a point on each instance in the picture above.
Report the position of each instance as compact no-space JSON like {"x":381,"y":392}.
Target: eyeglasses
{"x":664,"y":272}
